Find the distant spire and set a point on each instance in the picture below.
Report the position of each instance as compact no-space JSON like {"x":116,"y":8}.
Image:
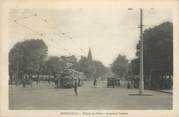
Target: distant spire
{"x":89,"y":54}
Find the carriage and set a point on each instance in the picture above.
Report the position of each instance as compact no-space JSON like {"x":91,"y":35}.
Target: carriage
{"x":113,"y":82}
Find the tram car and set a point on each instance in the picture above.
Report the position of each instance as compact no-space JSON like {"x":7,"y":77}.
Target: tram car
{"x":67,"y":79}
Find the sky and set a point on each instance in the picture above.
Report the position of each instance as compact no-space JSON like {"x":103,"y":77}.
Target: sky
{"x":108,"y":32}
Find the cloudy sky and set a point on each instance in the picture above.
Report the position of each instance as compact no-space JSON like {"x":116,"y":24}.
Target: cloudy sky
{"x":107,"y":32}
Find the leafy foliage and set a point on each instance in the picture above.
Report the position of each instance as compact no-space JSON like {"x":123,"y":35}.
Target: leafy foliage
{"x":100,"y":69}
{"x":91,"y":68}
{"x":158,"y":56}
{"x":27,"y":56}
{"x":120,"y":66}
{"x":85,"y":66}
{"x":158,"y":50}
{"x":55,"y":65}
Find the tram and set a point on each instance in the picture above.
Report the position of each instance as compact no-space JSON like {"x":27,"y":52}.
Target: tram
{"x":67,"y":78}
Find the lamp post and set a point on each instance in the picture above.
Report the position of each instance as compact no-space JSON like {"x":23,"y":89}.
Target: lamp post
{"x":141,"y":75}
{"x":141,"y":78}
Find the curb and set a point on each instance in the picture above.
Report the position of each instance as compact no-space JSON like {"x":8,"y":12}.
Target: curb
{"x":165,"y":92}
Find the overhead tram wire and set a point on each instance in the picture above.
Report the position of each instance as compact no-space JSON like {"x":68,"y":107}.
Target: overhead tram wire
{"x":61,"y":45}
{"x":78,"y":46}
{"x":45,"y":21}
{"x":40,"y":34}
{"x":70,"y":38}
{"x":52,"y":39}
{"x":22,"y":18}
{"x":26,"y":27}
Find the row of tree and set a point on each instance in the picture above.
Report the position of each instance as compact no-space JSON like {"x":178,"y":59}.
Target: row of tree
{"x":158,"y":56}
{"x":158,"y":59}
{"x":31,"y":57}
{"x":91,"y":69}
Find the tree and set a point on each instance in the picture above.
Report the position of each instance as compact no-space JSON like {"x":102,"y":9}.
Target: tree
{"x":158,"y":49}
{"x":100,"y":69}
{"x":91,"y":68}
{"x":135,"y":66}
{"x":27,"y":56}
{"x":158,"y":54}
{"x":120,"y":66}
{"x":55,"y":65}
{"x":69,"y":60}
{"x":85,"y":66}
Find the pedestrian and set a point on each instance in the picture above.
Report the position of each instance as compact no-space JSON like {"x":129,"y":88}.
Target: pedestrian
{"x":16,"y":79}
{"x":76,"y":87}
{"x":95,"y":82}
{"x":79,"y":82}
{"x":48,"y":79}
{"x":113,"y":83}
{"x":23,"y":80}
{"x":30,"y":78}
{"x":128,"y":84}
{"x":37,"y":79}
{"x":56,"y":81}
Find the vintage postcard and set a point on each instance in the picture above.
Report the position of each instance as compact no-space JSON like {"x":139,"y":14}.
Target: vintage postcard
{"x":87,"y":58}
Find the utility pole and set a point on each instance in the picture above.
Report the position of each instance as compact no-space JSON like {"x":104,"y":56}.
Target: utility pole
{"x":141,"y":78}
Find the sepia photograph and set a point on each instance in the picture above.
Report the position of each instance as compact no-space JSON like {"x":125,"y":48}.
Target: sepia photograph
{"x":58,"y":59}
{"x":101,"y":59}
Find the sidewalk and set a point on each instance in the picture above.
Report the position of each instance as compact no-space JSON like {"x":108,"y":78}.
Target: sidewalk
{"x":170,"y":91}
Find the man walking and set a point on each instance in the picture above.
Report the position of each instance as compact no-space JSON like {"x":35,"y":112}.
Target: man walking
{"x":76,"y":87}
{"x":24,"y":80}
{"x":95,"y":82}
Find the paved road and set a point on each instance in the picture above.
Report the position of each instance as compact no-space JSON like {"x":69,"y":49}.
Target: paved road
{"x":45,"y":96}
